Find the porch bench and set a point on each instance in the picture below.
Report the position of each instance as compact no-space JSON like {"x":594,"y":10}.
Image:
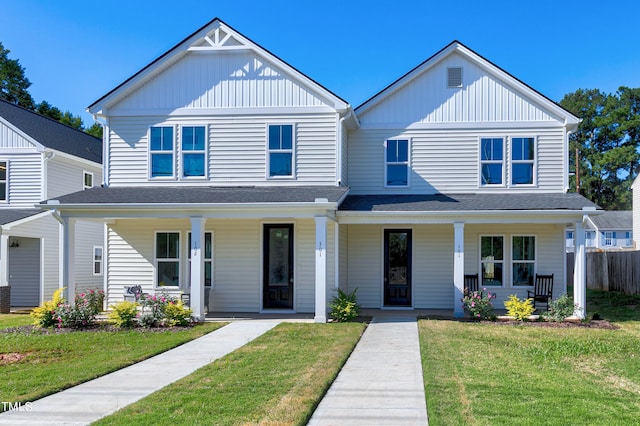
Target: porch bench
{"x":134,"y":293}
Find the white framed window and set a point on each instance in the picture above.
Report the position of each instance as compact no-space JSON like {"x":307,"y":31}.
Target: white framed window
{"x":492,"y":260}
{"x":522,"y":161}
{"x":590,"y":238}
{"x":193,"y":147}
{"x":628,"y":235}
{"x":167,"y":258}
{"x":396,"y":170}
{"x":87,"y":180}
{"x":97,"y":260}
{"x":491,"y":161}
{"x":207,"y":255}
{"x":570,"y":238}
{"x":161,"y":152}
{"x":280,"y":151}
{"x":609,"y":238}
{"x":4,"y":181}
{"x":523,"y":260}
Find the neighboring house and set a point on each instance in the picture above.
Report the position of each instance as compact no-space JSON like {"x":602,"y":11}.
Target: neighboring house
{"x":233,"y":177}
{"x":611,"y":230}
{"x":39,"y":159}
{"x":635,"y":188}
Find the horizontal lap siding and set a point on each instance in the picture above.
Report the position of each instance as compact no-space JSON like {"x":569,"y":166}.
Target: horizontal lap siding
{"x":25,"y":178}
{"x":65,"y":176}
{"x":365,"y":264}
{"x":237,"y":148}
{"x":432,"y":281}
{"x":88,"y":235}
{"x":447,"y":161}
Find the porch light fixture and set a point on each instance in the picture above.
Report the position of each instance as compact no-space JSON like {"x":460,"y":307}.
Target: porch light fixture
{"x":14,"y":244}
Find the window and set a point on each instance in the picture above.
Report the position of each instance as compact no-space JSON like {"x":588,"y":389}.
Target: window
{"x":522,"y":159}
{"x":609,"y":238}
{"x":491,"y":161}
{"x":161,"y":152}
{"x":193,"y":151}
{"x":208,"y":259}
{"x":590,"y":237}
{"x":167,"y":259}
{"x":454,"y":77}
{"x":570,"y":239}
{"x":492,"y":260}
{"x":628,"y":238}
{"x":87,"y":181}
{"x":3,"y":180}
{"x":397,"y":162}
{"x":280,"y":150}
{"x":523,"y":260}
{"x":97,"y":260}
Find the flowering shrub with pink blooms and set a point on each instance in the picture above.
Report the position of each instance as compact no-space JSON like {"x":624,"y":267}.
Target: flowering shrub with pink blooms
{"x":82,"y":313}
{"x":478,"y":304}
{"x":162,"y":310}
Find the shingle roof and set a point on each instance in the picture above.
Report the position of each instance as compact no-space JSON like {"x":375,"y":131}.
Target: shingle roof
{"x":464,"y":202}
{"x":614,"y":220}
{"x":203,"y":195}
{"x":12,"y":215}
{"x":51,"y":133}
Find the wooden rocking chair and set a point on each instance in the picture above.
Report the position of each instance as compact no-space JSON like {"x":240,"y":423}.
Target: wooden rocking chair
{"x":542,"y":290}
{"x":471,"y":283}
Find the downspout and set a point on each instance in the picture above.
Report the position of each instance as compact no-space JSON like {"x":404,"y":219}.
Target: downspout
{"x":104,"y":122}
{"x":340,"y":147}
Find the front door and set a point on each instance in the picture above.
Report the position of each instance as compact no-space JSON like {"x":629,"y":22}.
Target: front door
{"x":397,"y":267}
{"x":278,"y":267}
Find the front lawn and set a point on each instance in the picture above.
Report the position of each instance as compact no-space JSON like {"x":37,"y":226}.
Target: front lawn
{"x":33,"y":365}
{"x":278,"y":378}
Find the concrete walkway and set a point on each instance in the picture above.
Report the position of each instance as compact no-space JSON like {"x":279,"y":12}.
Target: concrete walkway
{"x":381,"y":383}
{"x":88,"y":402}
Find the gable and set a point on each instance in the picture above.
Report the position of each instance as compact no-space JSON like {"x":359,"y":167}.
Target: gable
{"x":12,"y":138}
{"x":486,"y":95}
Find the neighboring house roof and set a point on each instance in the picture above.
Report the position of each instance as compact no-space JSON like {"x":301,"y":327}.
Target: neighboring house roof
{"x":52,"y":134}
{"x":613,"y":220}
{"x":202,"y":39}
{"x":455,"y":46}
{"x":464,"y":202}
{"x":13,"y":215}
{"x":201,"y":195}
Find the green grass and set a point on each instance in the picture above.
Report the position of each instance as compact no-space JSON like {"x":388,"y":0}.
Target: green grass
{"x":52,"y":362}
{"x":279,"y":378}
{"x":491,"y":374}
{"x":14,"y":320}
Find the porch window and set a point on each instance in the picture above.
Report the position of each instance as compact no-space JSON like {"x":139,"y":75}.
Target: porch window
{"x":522,"y":161}
{"x":161,"y":152}
{"x":167,"y":259}
{"x":492,"y":260}
{"x":609,"y":238}
{"x":491,"y":161}
{"x":570,"y":239}
{"x":590,"y":237}
{"x":628,"y":238}
{"x":397,"y":162}
{"x":3,"y":180}
{"x":523,"y":260}
{"x":97,"y":260}
{"x":208,"y":258}
{"x":280,"y":150}
{"x":193,"y":151}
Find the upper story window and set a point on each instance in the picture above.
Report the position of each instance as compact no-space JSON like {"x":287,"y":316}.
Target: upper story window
{"x":280,"y":144}
{"x":492,"y":161}
{"x":397,"y":162}
{"x":193,"y":151}
{"x":523,"y":251}
{"x":4,"y":179}
{"x":161,"y":152}
{"x":87,"y":180}
{"x":522,"y":161}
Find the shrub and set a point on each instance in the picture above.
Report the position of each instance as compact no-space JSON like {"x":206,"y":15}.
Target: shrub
{"x":177,"y":314}
{"x":44,"y":315}
{"x":519,"y":309}
{"x":153,"y":310}
{"x":94,"y":298}
{"x":478,"y":304}
{"x":560,"y":308}
{"x":124,"y":314}
{"x":344,"y":306}
{"x":81,"y":314}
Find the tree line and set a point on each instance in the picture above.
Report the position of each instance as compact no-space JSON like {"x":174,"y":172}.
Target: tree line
{"x":606,"y":142}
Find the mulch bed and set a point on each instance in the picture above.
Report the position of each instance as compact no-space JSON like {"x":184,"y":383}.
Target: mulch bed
{"x":99,"y":327}
{"x":603,"y":324}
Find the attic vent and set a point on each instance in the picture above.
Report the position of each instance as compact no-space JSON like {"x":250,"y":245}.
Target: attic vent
{"x":454,"y":77}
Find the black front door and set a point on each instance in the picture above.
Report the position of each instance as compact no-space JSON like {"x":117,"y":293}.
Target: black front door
{"x":278,"y":267}
{"x":397,"y":267}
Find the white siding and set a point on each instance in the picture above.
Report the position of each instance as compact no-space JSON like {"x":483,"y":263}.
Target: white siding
{"x":65,"y":176}
{"x":88,"y":235}
{"x":427,"y":99}
{"x":447,"y":161}
{"x":25,"y":178}
{"x":236,"y":149}
{"x":24,"y":272}
{"x":365,"y":269}
{"x":9,"y":138}
{"x":219,"y":80}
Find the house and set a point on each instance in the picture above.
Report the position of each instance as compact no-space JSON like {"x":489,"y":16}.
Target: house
{"x":232,"y":177}
{"x":635,"y":188}
{"x":40,"y":159}
{"x":611,"y":230}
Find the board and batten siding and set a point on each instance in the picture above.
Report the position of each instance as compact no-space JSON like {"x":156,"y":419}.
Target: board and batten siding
{"x":447,"y":161}
{"x":427,"y":99}
{"x":219,"y":80}
{"x":237,"y":153}
{"x":9,"y":138}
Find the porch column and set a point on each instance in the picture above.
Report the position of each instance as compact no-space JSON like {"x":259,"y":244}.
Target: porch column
{"x":321,"y":269}
{"x":67,"y":255}
{"x":458,"y":269}
{"x":579,"y":273}
{"x":197,"y":267}
{"x":4,"y":263}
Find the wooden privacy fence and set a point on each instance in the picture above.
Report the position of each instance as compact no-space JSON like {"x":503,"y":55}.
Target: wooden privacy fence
{"x":610,"y":271}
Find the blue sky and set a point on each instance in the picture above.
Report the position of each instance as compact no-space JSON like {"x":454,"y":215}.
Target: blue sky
{"x":76,"y":51}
